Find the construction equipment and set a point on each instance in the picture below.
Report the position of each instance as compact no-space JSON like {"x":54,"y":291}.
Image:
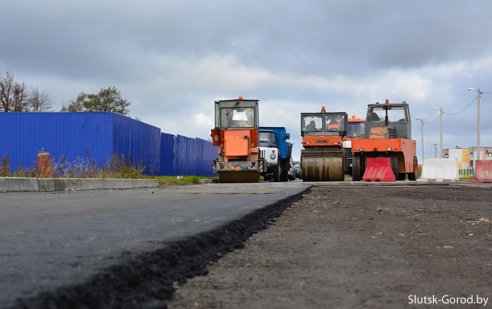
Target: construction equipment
{"x":355,"y":129}
{"x":276,"y":151}
{"x":323,"y":157}
{"x":236,"y":134}
{"x":387,"y":135}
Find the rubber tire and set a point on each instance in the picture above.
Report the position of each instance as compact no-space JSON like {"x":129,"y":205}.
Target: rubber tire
{"x":394,"y":165}
{"x":276,"y":173}
{"x":284,"y":170}
{"x":356,"y":167}
{"x":413,"y":175}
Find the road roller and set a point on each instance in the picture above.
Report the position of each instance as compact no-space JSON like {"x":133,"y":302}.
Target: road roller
{"x":388,"y":134}
{"x":236,"y":135}
{"x":323,"y":157}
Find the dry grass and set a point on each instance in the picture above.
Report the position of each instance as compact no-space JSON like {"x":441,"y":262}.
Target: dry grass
{"x":118,"y":167}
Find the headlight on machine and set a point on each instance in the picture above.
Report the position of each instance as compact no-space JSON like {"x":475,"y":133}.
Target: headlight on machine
{"x":308,"y":143}
{"x":335,"y":143}
{"x":361,"y":149}
{"x":273,"y":156}
{"x":389,"y":148}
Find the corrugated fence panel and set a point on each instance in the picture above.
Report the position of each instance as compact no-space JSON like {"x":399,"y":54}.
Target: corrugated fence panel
{"x":72,"y":138}
{"x":180,"y":159}
{"x":191,"y":156}
{"x":207,"y":156}
{"x":167,"y":155}
{"x":14,"y":141}
{"x":210,"y":152}
{"x":137,"y":141}
{"x":198,"y":157}
{"x":84,"y":138}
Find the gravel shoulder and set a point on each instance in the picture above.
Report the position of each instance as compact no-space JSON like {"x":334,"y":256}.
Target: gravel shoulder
{"x":359,"y":246}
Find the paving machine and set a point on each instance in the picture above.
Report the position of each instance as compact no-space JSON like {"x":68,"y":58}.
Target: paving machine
{"x":236,"y":134}
{"x":388,"y":134}
{"x":323,"y":157}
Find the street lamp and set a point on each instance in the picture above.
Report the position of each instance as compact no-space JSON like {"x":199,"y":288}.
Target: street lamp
{"x":440,"y":126}
{"x":479,"y":93}
{"x":422,"y":129}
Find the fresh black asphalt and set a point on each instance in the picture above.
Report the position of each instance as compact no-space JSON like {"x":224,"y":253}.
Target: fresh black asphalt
{"x":124,"y":248}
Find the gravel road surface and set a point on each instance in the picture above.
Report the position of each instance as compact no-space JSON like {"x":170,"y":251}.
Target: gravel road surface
{"x":369,"y":246}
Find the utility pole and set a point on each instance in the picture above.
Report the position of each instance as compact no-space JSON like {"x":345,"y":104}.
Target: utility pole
{"x":479,"y":93}
{"x":440,"y":126}
{"x":422,"y":129}
{"x":478,"y":124}
{"x":440,"y":138}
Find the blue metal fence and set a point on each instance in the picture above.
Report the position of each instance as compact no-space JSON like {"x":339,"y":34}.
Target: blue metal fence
{"x":85,"y":138}
{"x":74,"y":135}
{"x":138,"y":141}
{"x":167,"y":154}
{"x":190,"y":157}
{"x":96,"y":137}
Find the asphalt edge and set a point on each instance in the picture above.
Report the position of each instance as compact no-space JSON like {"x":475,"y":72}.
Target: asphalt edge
{"x":147,"y":280}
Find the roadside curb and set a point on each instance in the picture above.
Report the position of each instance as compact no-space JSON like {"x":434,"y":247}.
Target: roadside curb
{"x":21,"y":184}
{"x":206,"y":180}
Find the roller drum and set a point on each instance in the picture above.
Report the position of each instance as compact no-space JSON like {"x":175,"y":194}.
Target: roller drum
{"x":316,"y":168}
{"x":239,"y":176}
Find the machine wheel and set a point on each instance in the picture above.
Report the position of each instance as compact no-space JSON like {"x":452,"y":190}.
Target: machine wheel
{"x":401,"y":176}
{"x":394,"y":166}
{"x":413,"y":175}
{"x":276,"y":173}
{"x":356,"y":167}
{"x":284,"y":170}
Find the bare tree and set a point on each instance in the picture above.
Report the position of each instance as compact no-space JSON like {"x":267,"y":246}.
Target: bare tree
{"x":13,"y":95}
{"x":39,"y":101}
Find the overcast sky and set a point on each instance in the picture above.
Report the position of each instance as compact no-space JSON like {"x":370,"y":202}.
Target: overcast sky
{"x":172,"y":59}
